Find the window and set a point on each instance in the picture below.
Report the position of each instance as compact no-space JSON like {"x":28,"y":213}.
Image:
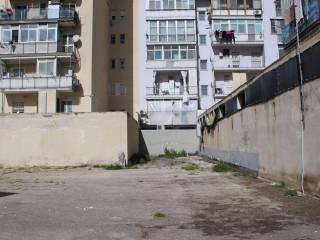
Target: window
{"x":154,"y":4}
{"x":190,"y":31}
{"x":236,"y":59}
{"x":66,"y":106}
{"x":6,"y":34}
{"x":171,"y":31}
{"x":17,"y":107}
{"x":122,"y":38}
{"x":181,"y":31}
{"x":46,"y":67}
{"x":168,"y":4}
{"x":113,"y":15}
{"x":48,"y":33}
{"x":203,"y":65}
{"x":153,"y":31}
{"x":113,"y":39}
{"x":113,"y":64}
{"x":68,"y":43}
{"x":203,"y":39}
{"x":122,"y":14}
{"x":118,"y":89}
{"x":202,"y":15}
{"x":122,"y":63}
{"x":276,"y":26}
{"x":204,"y":90}
{"x":171,"y":52}
{"x":163,"y":31}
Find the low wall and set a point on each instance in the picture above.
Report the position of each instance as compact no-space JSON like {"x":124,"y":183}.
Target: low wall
{"x":266,"y":138}
{"x":66,"y":140}
{"x":155,"y":141}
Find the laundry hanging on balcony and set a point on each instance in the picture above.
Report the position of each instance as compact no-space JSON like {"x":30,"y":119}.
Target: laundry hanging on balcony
{"x":225,"y":36}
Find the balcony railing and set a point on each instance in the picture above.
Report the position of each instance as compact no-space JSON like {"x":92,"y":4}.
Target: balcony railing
{"x":34,"y":48}
{"x":38,"y":14}
{"x":171,"y":38}
{"x":178,"y":91}
{"x":32,"y":83}
{"x":218,"y":38}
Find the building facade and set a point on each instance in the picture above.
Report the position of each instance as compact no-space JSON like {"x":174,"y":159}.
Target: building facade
{"x":246,"y":38}
{"x":53,"y":56}
{"x":192,"y":54}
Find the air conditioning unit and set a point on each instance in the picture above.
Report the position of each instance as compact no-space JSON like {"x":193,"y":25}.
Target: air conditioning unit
{"x":257,"y":12}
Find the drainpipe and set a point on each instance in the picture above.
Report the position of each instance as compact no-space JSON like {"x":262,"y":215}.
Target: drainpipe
{"x":198,"y":53}
{"x":302,"y":120}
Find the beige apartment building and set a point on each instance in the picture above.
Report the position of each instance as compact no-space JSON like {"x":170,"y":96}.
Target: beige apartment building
{"x":54,"y":55}
{"x":120,"y":65}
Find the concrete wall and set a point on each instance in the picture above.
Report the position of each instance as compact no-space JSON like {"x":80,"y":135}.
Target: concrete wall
{"x":266,"y":138}
{"x":157,"y":140}
{"x":62,"y":140}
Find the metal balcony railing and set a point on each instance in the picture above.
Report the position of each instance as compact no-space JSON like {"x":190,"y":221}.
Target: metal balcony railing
{"x":34,"y":48}
{"x":41,"y":82}
{"x":38,"y":14}
{"x":178,"y":91}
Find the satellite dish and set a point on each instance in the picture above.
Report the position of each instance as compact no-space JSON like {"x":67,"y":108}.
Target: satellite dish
{"x":76,"y":38}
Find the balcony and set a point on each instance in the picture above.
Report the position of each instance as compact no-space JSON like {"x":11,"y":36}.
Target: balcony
{"x":220,"y":39}
{"x":9,"y":50}
{"x":64,"y":15}
{"x":171,"y":93}
{"x":27,"y":84}
{"x":172,"y":112}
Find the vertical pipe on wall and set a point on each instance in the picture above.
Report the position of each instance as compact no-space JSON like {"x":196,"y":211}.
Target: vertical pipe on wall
{"x":301,"y":98}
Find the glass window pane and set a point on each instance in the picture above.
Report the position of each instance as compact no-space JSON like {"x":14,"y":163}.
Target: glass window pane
{"x":24,"y":35}
{"x":51,"y":35}
{"x":43,"y":35}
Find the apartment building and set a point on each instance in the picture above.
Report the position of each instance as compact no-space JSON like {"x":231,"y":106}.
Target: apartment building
{"x":121,"y":85}
{"x":168,"y":72}
{"x":53,"y":56}
{"x":246,"y":38}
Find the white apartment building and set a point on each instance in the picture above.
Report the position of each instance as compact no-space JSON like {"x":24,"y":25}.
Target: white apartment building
{"x":245,"y":39}
{"x":170,"y":78}
{"x":193,"y":53}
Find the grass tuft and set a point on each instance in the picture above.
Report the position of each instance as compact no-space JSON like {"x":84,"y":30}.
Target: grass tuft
{"x":172,"y":154}
{"x":159,"y":215}
{"x":191,"y":167}
{"x":292,"y":193}
{"x":222,"y":167}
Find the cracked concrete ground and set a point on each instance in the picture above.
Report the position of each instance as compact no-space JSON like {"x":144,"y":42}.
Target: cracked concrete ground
{"x":158,"y":201}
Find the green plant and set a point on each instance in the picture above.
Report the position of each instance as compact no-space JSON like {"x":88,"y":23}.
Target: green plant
{"x":222,"y":167}
{"x":292,"y":193}
{"x":138,"y":158}
{"x":159,"y":215}
{"x":191,"y":167}
{"x":171,"y":154}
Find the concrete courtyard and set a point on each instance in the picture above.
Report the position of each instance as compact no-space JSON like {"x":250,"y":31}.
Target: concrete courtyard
{"x":158,"y":201}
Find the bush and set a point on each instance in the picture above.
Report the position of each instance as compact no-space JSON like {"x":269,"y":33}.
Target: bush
{"x":138,"y":158}
{"x":222,"y":167}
